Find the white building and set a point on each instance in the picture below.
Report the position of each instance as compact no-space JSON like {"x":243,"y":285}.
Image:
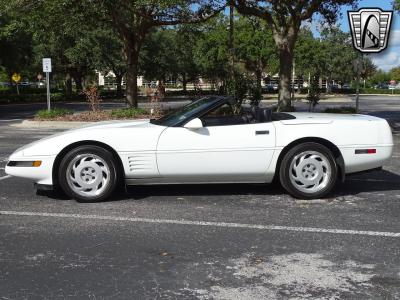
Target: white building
{"x":108,"y":80}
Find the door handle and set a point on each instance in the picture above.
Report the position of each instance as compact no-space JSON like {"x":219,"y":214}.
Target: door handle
{"x":262,"y":132}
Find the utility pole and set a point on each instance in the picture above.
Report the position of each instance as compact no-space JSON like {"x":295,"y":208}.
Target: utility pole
{"x":359,"y":68}
{"x":231,"y":50}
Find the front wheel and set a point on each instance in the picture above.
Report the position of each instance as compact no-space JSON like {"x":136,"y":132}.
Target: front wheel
{"x":88,"y":174}
{"x":308,"y":171}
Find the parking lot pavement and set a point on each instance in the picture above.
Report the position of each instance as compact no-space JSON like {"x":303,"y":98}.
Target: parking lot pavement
{"x":200,"y":242}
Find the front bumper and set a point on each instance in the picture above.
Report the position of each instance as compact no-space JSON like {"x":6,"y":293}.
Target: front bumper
{"x":42,"y":174}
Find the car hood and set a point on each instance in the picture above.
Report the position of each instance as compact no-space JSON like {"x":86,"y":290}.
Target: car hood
{"x":114,"y":124}
{"x":105,"y":132}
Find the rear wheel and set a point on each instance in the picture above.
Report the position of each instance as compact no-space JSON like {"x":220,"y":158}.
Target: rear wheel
{"x":308,"y":171}
{"x":88,"y":174}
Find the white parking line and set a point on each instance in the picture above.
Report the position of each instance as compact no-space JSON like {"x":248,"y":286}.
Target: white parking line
{"x":5,"y":177}
{"x":202,"y":223}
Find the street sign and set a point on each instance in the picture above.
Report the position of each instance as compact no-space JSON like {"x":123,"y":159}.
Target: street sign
{"x":47,"y":70}
{"x":16,"y":77}
{"x":47,"y":65}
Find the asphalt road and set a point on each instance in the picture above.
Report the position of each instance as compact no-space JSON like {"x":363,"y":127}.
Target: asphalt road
{"x":202,"y":242}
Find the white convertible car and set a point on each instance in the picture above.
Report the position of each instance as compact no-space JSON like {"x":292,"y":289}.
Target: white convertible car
{"x":206,"y":142}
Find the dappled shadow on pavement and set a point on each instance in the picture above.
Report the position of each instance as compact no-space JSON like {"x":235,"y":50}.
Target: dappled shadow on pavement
{"x":377,"y":181}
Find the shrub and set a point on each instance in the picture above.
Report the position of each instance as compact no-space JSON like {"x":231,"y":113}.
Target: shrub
{"x":53,"y":113}
{"x":128,"y":113}
{"x":379,"y":91}
{"x":340,"y":110}
{"x":93,"y":97}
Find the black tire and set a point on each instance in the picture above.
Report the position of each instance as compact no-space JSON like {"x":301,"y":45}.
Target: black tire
{"x":297,"y":184}
{"x":88,"y":159}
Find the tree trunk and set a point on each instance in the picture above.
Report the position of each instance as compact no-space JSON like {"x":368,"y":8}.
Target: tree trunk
{"x":78,"y":81}
{"x":184,"y":82}
{"x":68,"y":86}
{"x":285,"y":75}
{"x":258,"y":95}
{"x":118,"y":81}
{"x":259,"y":77}
{"x":132,"y":57}
{"x":328,"y":85}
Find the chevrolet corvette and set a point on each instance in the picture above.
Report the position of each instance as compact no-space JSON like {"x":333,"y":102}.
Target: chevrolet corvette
{"x":207,"y":141}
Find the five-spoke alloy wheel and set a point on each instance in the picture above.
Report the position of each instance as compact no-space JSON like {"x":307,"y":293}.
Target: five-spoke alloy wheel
{"x":88,"y":174}
{"x":308,"y":171}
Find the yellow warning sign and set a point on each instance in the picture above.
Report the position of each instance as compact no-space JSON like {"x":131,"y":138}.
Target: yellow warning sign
{"x":16,"y":77}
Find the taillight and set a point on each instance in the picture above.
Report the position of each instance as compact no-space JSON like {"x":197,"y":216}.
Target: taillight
{"x":365,"y":151}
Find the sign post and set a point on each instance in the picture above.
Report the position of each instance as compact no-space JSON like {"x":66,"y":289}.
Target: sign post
{"x":392,"y":85}
{"x":47,"y":70}
{"x":16,"y":78}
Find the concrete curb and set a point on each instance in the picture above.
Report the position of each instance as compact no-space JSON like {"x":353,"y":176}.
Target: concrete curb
{"x":50,"y":124}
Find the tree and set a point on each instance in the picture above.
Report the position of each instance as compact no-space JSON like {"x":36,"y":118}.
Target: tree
{"x":133,"y":20}
{"x":211,"y":51}
{"x":15,"y":45}
{"x":369,"y":68}
{"x":107,"y":53}
{"x":186,"y":40}
{"x":395,"y":74}
{"x":338,"y":55}
{"x":396,"y":5}
{"x":254,"y":46}
{"x":285,"y":17}
{"x":158,"y":56}
{"x":57,"y":34}
{"x":380,"y":77}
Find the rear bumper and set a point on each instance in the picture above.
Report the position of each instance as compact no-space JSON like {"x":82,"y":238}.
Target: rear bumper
{"x":355,"y":163}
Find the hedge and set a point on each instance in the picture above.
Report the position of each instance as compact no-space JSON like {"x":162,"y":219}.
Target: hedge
{"x":6,"y":96}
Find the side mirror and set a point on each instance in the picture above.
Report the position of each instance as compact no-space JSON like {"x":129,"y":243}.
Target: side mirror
{"x":194,"y":124}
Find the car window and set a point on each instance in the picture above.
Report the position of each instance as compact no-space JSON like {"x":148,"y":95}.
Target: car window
{"x":220,"y":112}
{"x":223,"y":115}
{"x":186,"y":112}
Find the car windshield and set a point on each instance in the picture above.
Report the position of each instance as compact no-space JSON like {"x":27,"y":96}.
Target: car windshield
{"x":185,"y":113}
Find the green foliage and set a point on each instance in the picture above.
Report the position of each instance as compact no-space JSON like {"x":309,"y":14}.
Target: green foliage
{"x":340,"y":110}
{"x":30,"y":98}
{"x":380,"y":91}
{"x":15,"y":45}
{"x":211,"y":52}
{"x":338,"y":55}
{"x":396,"y":4}
{"x":44,"y":114}
{"x":158,"y":59}
{"x":254,"y":45}
{"x":128,"y":113}
{"x":380,"y":77}
{"x":238,"y":87}
{"x":395,"y":74}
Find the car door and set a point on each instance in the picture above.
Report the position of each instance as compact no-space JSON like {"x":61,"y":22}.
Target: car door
{"x":226,"y":153}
